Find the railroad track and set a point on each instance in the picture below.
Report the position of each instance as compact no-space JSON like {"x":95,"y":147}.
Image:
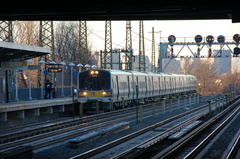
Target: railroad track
{"x":48,"y":134}
{"x":188,"y":118}
{"x":8,"y":135}
{"x":183,"y":148}
{"x":17,"y":133}
{"x":131,"y":152}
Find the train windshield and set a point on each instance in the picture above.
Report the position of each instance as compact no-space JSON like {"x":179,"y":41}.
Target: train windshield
{"x":100,"y":81}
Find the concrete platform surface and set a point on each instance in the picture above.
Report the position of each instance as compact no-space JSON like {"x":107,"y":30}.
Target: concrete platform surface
{"x":22,"y":105}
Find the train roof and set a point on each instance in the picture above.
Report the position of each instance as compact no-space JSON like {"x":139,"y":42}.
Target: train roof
{"x":126,"y":72}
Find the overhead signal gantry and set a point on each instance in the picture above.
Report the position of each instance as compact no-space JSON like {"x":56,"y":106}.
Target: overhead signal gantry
{"x":209,"y":41}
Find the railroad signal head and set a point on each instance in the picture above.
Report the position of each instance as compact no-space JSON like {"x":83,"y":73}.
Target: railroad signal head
{"x":221,"y":39}
{"x":236,"y":38}
{"x":171,"y":38}
{"x":210,"y":39}
{"x":198,"y":38}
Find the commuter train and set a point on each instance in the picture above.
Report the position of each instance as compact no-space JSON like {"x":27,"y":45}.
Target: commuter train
{"x":116,"y":88}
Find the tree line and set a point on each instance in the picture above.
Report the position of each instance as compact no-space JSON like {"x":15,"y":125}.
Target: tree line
{"x":66,"y":37}
{"x":209,"y":79}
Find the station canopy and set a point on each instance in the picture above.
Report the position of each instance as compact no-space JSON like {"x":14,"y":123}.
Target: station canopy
{"x":10,"y":51}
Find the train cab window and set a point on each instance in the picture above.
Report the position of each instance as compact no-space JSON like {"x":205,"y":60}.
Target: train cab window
{"x":101,"y":81}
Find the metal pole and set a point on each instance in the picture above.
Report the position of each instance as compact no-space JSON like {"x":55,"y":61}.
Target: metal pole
{"x":71,"y":80}
{"x":62,"y":82}
{"x":97,"y":106}
{"x":16,"y":99}
{"x":171,"y":105}
{"x":81,"y":109}
{"x":54,"y":88}
{"x":137,"y":112}
{"x":29,"y":85}
{"x":163,"y":106}
{"x":209,"y":106}
{"x":179,"y":102}
{"x":42,"y":96}
{"x":154,"y":109}
{"x":73,"y":103}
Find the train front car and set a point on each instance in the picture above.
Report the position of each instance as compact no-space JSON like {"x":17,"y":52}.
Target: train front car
{"x":94,"y":88}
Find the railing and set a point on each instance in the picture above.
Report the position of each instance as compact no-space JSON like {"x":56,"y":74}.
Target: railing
{"x":23,"y":93}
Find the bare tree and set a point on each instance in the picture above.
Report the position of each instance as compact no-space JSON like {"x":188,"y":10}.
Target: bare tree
{"x":67,"y":38}
{"x":231,"y":81}
{"x":207,"y":74}
{"x":67,"y":41}
{"x":26,"y":32}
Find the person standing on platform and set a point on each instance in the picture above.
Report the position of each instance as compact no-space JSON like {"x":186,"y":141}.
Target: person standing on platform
{"x":48,"y":89}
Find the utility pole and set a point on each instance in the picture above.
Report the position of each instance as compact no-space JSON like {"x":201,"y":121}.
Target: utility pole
{"x":129,"y":50}
{"x":128,"y":34}
{"x":106,"y":55}
{"x":83,"y":45}
{"x":153,"y":58}
{"x":142,"y":63}
{"x":46,"y":38}
{"x":6,"y":31}
{"x":153,"y":69}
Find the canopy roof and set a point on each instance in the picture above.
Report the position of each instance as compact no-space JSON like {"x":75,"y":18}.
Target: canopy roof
{"x":10,"y":51}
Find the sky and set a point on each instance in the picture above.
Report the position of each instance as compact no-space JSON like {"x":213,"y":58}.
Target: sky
{"x":179,"y":28}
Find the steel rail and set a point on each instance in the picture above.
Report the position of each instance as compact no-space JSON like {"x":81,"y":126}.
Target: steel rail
{"x":132,"y":135}
{"x":75,"y":122}
{"x":91,"y":120}
{"x":234,"y":149}
{"x":200,"y":146}
{"x":13,"y":134}
{"x":166,"y":153}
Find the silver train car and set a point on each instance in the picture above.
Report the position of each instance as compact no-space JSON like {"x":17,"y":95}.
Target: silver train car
{"x":118,"y":87}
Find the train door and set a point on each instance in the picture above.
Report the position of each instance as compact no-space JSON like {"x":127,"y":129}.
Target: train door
{"x":132,"y":87}
{"x":149,"y":86}
{"x":136,"y":87}
{"x":115,"y":87}
{"x":164,"y":85}
{"x":146,"y":82}
{"x":129,"y":87}
{"x":117,"y":81}
{"x":173,"y":84}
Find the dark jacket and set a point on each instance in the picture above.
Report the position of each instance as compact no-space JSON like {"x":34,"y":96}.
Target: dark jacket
{"x":48,"y":86}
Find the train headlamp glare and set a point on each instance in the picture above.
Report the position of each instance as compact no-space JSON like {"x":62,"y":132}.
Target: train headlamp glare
{"x":92,"y":72}
{"x":96,"y":72}
{"x":84,"y":93}
{"x":106,"y":93}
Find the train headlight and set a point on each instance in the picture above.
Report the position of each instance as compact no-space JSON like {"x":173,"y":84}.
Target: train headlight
{"x":96,"y":72}
{"x":83,"y":94}
{"x":106,"y":93}
{"x":92,"y":72}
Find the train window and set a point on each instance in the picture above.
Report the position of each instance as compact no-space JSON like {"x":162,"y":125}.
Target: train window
{"x":100,"y":82}
{"x":84,"y":83}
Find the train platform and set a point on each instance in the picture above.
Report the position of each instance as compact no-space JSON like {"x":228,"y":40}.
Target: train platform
{"x":34,"y":107}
